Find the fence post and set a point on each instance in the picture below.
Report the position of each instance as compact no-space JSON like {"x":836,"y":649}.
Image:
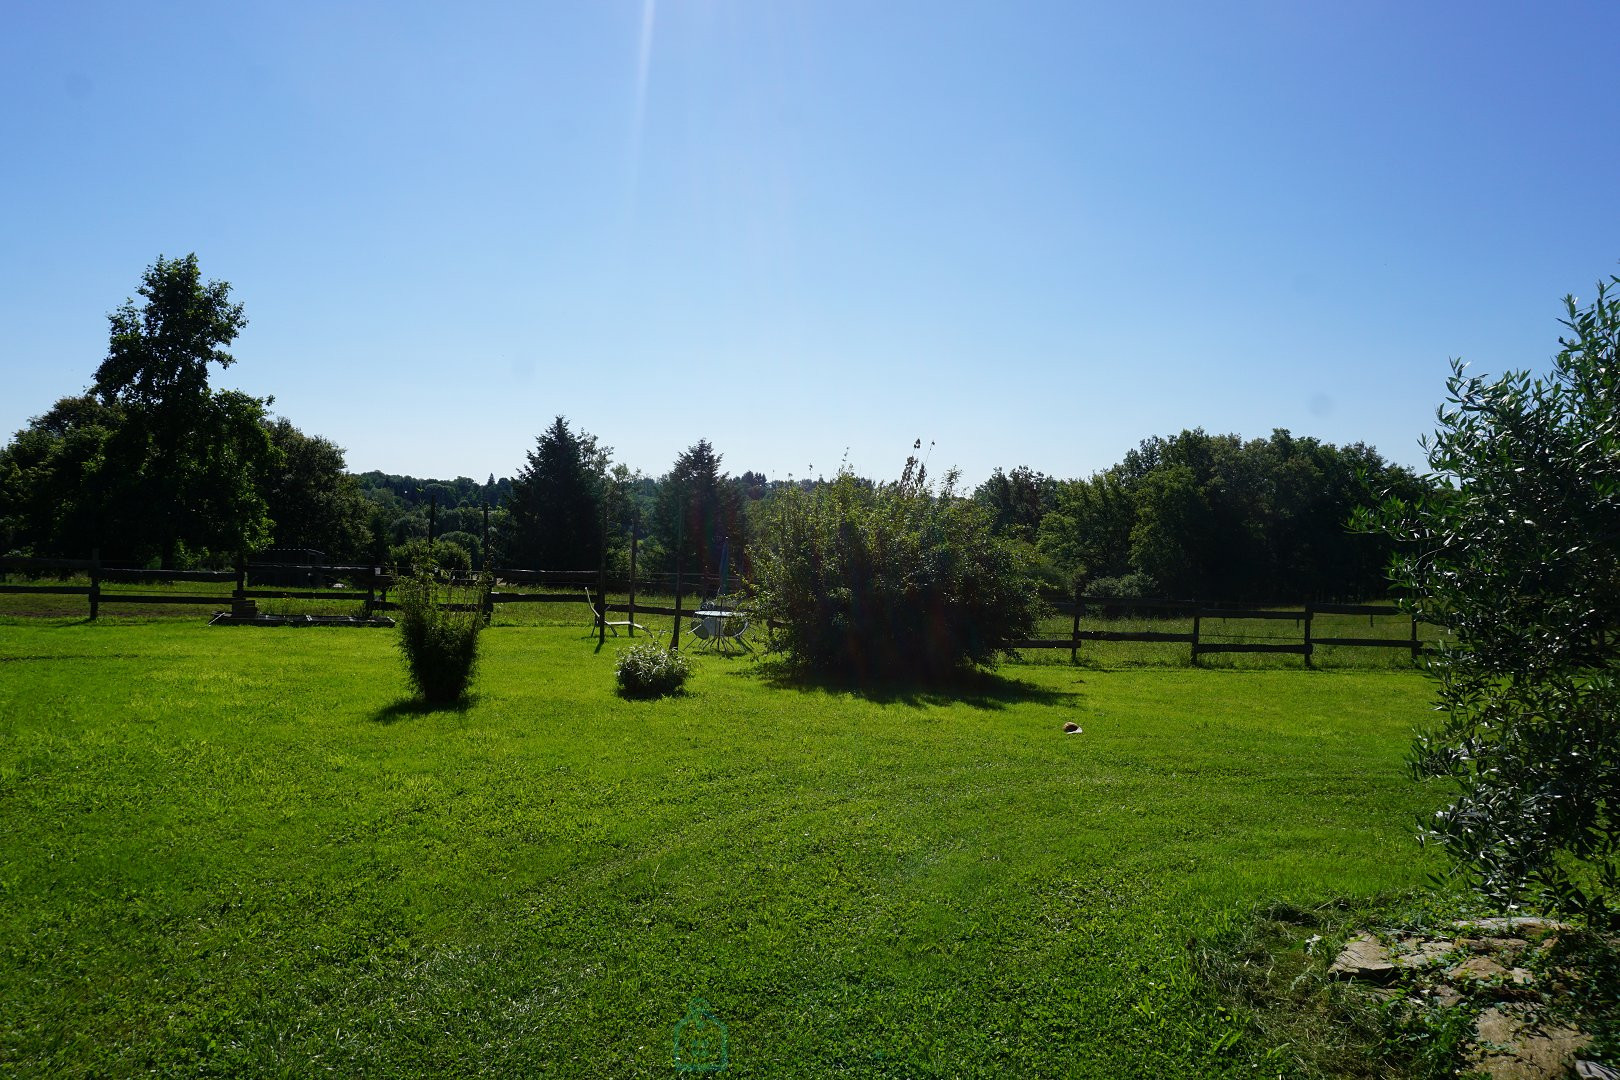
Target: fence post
{"x":1197,"y":618}
{"x":601,"y":585}
{"x":1415,"y":648}
{"x":95,"y":583}
{"x":675,"y":639}
{"x":632,"y":604}
{"x":1308,"y":645}
{"x":1079,"y":605}
{"x":371,"y":590}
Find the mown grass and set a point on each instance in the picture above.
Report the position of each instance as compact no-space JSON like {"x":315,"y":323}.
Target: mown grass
{"x":244,"y":852}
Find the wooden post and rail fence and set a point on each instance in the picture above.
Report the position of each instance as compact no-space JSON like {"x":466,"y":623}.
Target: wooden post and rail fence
{"x":369,"y":586}
{"x":1204,"y":643}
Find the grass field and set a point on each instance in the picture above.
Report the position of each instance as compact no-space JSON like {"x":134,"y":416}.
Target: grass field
{"x":240,"y":852}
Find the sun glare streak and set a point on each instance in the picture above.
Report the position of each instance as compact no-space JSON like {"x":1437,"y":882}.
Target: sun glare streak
{"x":649,"y":13}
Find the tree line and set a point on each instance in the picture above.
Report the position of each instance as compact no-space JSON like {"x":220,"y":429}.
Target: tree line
{"x":153,"y":466}
{"x":1211,"y":517}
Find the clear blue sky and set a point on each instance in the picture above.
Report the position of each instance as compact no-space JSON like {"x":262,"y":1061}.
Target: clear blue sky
{"x":1031,"y":233}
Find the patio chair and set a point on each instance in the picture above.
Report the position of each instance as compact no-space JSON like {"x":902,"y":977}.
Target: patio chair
{"x":719,"y":631}
{"x":598,"y":615}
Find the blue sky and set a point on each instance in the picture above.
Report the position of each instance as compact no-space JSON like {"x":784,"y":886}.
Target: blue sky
{"x":1029,"y":233}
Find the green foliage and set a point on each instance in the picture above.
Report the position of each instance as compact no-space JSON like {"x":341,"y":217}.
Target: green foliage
{"x":440,"y":645}
{"x":312,"y":499}
{"x":1019,"y":501}
{"x":1133,"y":586}
{"x":442,"y":553}
{"x":1220,"y":518}
{"x":556,"y":509}
{"x":648,"y":670}
{"x":890,"y":580}
{"x":1515,"y":554}
{"x":187,"y":463}
{"x":468,"y":543}
{"x":53,"y":478}
{"x":155,"y":463}
{"x":698,"y":514}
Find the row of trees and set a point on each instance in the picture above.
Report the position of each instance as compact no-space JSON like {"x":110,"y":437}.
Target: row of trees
{"x":153,"y":464}
{"x":1209,"y":517}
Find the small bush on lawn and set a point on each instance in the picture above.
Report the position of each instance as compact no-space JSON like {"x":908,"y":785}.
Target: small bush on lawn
{"x":890,"y":580}
{"x":648,"y":670}
{"x":440,"y":646}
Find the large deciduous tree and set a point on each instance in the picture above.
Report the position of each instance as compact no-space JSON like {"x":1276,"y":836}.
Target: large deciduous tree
{"x":1516,"y":554}
{"x":189,"y":460}
{"x":55,"y":479}
{"x":312,"y":500}
{"x":1018,"y":500}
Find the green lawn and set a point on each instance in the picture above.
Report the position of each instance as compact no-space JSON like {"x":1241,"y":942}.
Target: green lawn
{"x":237,"y":852}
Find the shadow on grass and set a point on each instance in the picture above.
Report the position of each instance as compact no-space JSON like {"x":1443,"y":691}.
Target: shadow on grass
{"x":406,"y":708}
{"x":976,"y":689}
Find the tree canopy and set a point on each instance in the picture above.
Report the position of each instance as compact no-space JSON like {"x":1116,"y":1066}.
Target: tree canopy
{"x":1216,"y":517}
{"x":153,"y":462}
{"x":312,"y":499}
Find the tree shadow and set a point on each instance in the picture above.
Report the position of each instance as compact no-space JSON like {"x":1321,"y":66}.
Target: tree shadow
{"x":405,"y":708}
{"x":977,"y":689}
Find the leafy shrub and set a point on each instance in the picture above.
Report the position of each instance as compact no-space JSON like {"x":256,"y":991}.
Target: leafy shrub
{"x":648,"y":670}
{"x":440,"y":646}
{"x":890,"y":579}
{"x":1129,"y":586}
{"x":442,"y":553}
{"x":1513,"y":552}
{"x":466,"y":541}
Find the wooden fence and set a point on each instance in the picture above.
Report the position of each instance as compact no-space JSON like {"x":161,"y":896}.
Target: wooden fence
{"x":369,"y":586}
{"x":372,"y":579}
{"x":1200,"y":641}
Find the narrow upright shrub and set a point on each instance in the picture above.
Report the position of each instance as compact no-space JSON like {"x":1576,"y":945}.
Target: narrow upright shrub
{"x":440,"y":646}
{"x":890,"y":580}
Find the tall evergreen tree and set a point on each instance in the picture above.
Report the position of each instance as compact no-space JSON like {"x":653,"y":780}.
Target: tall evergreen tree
{"x":555,"y":520}
{"x":699,"y":514}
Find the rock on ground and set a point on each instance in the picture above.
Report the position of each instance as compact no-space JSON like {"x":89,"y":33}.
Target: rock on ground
{"x":1514,"y":1043}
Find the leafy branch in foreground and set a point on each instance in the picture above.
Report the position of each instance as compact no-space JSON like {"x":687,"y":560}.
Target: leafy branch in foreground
{"x":1516,"y":553}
